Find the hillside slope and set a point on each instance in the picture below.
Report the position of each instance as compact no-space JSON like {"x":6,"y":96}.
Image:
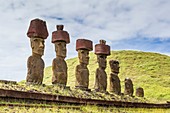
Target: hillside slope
{"x":148,"y":70}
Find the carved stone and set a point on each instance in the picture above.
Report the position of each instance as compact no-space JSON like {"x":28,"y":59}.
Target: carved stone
{"x":83,"y":47}
{"x":37,"y":32}
{"x":128,"y":87}
{"x":59,"y":67}
{"x":101,"y":76}
{"x":35,"y":63}
{"x":115,"y":86}
{"x":101,"y":50}
{"x":139,"y":92}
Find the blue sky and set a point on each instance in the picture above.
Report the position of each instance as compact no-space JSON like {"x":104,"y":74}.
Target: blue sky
{"x":125,"y":24}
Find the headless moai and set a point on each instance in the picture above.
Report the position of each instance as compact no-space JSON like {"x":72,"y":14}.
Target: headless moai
{"x":83,"y":46}
{"x":128,"y":87}
{"x":37,"y":33}
{"x":115,"y":86}
{"x":139,"y":92}
{"x":59,"y":67}
{"x":102,"y":51}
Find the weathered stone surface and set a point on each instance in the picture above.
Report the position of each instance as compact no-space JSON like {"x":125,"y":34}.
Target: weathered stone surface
{"x":101,"y":76}
{"x":115,"y":86}
{"x":35,"y":63}
{"x":139,"y":92}
{"x":84,"y":44}
{"x":102,"y":48}
{"x":60,"y":35}
{"x":37,"y":29}
{"x":82,"y":72}
{"x":83,"y":47}
{"x":59,"y":66}
{"x":128,"y":87}
{"x":37,"y":32}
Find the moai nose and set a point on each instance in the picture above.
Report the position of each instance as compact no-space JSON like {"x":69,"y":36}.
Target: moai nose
{"x":41,"y":45}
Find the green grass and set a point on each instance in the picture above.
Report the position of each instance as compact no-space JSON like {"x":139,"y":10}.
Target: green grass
{"x":148,"y":70}
{"x":83,"y":109}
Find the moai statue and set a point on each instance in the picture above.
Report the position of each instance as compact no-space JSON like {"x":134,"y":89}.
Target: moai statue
{"x":139,"y":92}
{"x":114,"y":79}
{"x":83,"y":46}
{"x":102,"y":51}
{"x":59,"y":67}
{"x":37,"y":33}
{"x":128,"y":87}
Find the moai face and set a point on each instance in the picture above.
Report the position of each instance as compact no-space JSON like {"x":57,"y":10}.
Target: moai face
{"x":37,"y":45}
{"x":114,"y":65}
{"x":60,"y":48}
{"x":101,"y":59}
{"x":83,"y":56}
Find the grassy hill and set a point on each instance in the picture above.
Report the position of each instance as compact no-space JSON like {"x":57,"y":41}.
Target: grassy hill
{"x":148,"y":70}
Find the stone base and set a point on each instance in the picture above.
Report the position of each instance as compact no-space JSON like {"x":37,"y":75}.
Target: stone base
{"x":62,"y":86}
{"x":67,"y":87}
{"x":8,"y":82}
{"x":32,"y":83}
{"x":83,"y":88}
{"x":97,"y":90}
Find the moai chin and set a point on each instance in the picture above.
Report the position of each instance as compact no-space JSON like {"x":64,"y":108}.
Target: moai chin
{"x":128,"y":87}
{"x":37,"y":33}
{"x":59,"y":67}
{"x":102,"y":51}
{"x":115,"y":86}
{"x":139,"y":92}
{"x":83,"y":46}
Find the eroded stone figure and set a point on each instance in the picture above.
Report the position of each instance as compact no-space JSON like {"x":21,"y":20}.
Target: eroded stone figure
{"x":83,"y":46}
{"x":115,"y":86}
{"x":102,"y":51}
{"x":59,"y":67}
{"x":128,"y":87}
{"x":37,"y":33}
{"x":139,"y":92}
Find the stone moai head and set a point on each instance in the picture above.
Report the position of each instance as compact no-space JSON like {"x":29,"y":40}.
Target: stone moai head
{"x":83,"y":46}
{"x":114,"y":65}
{"x":37,"y":32}
{"x":37,"y":45}
{"x":102,"y":51}
{"x":139,"y":92}
{"x":128,"y":82}
{"x":60,"y":38}
{"x":128,"y":87}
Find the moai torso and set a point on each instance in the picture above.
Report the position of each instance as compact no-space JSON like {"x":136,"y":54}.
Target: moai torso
{"x":59,"y":68}
{"x":114,"y":79}
{"x":82,"y":76}
{"x":139,"y":92}
{"x":35,"y":72}
{"x":115,"y":84}
{"x":101,"y":80}
{"x":128,"y":87}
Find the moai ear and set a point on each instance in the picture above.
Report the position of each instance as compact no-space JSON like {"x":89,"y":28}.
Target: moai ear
{"x":32,"y":43}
